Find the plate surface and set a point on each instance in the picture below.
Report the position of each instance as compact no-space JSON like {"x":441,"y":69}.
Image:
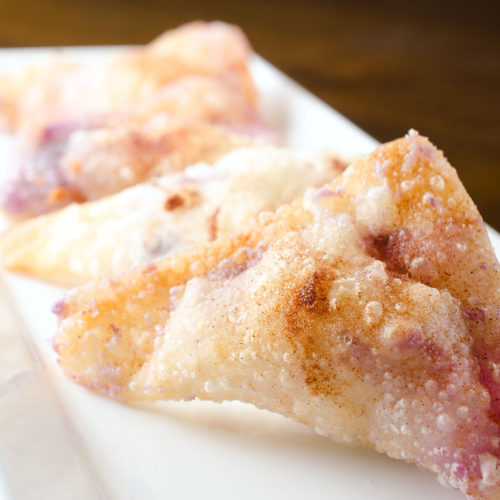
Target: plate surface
{"x":203,"y":450}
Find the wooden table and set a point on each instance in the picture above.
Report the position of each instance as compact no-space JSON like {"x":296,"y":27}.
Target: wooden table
{"x":388,"y":66}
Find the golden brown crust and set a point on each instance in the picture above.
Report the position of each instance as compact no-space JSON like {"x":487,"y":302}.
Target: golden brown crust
{"x":336,"y":310}
{"x":408,"y":215}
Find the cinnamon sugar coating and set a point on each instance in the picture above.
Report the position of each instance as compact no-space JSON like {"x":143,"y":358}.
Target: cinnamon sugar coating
{"x":90,"y":130}
{"x":368,"y":310}
{"x":165,"y":215}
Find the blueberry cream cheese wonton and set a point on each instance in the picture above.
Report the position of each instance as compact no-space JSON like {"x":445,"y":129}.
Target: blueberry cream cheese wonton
{"x":164,"y":215}
{"x":87,"y":130}
{"x":368,"y":310}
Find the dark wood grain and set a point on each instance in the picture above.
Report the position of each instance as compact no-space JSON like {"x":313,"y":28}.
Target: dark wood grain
{"x":388,"y":66}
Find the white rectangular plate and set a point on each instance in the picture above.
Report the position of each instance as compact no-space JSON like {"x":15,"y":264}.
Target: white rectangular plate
{"x":202,"y":450}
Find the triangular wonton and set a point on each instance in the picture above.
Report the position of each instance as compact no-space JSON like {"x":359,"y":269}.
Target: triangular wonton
{"x":165,"y":215}
{"x":369,"y":310}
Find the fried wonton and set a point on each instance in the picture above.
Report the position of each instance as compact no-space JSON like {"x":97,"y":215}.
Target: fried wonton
{"x":88,"y":130}
{"x":62,"y":90}
{"x":369,"y":310}
{"x":165,"y":215}
{"x":91,"y":163}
